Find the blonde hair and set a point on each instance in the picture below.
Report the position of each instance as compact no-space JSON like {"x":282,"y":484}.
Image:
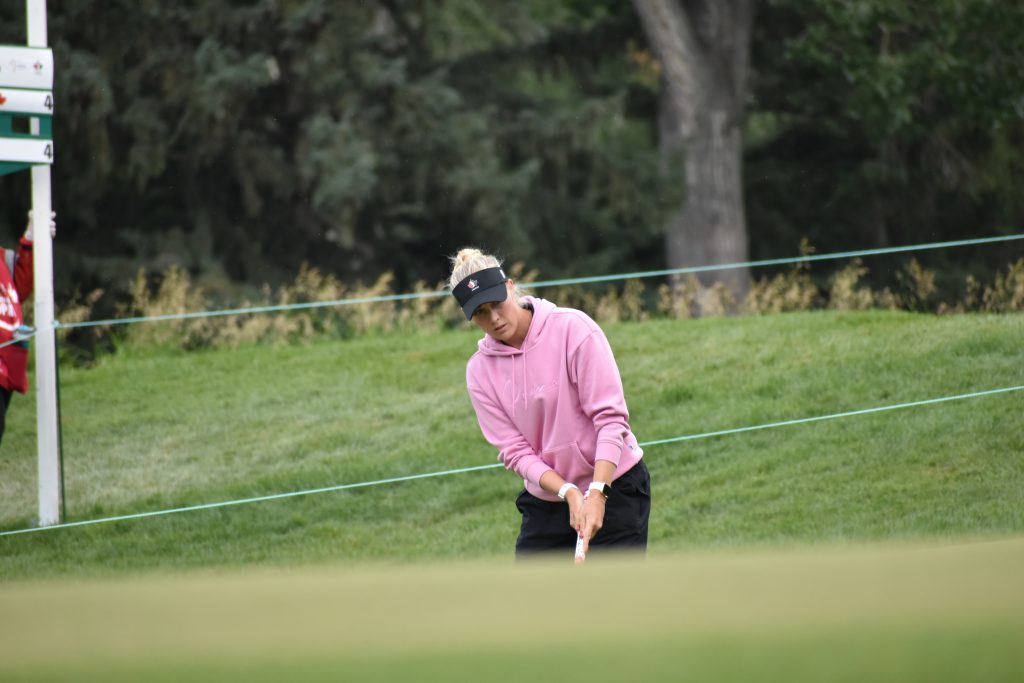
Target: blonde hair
{"x":468,"y":261}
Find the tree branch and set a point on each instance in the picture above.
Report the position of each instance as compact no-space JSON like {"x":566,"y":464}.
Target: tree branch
{"x":673,"y":41}
{"x":744,"y":22}
{"x":413,"y":35}
{"x":570,"y":44}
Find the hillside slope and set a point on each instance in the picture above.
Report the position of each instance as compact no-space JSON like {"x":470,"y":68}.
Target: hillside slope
{"x":149,"y":429}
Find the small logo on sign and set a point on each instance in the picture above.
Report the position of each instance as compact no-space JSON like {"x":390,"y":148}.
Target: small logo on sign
{"x":2,"y":98}
{"x":472,"y":285}
{"x":38,"y":66}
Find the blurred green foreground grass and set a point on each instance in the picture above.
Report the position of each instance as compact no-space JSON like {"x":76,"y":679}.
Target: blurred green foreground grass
{"x":153,"y":429}
{"x":915,"y":612}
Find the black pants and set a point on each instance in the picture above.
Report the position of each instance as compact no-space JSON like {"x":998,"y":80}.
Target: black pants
{"x":5,"y":400}
{"x":546,"y":527}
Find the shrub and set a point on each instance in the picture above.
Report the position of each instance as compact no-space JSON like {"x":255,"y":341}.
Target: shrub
{"x":172,"y":292}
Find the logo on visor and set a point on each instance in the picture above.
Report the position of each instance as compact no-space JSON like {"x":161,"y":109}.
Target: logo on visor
{"x":472,"y":285}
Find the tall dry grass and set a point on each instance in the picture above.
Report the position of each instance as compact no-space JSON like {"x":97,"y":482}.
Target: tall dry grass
{"x":174,"y":292}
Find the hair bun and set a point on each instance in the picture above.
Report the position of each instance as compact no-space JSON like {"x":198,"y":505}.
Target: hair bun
{"x":465,"y":255}
{"x":467,"y":261}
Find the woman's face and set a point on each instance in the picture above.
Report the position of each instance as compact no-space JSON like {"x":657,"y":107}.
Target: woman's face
{"x":500,"y":320}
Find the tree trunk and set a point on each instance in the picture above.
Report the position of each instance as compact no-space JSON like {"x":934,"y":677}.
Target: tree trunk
{"x":703,"y":47}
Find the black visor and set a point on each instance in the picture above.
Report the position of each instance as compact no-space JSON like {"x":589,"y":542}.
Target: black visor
{"x":482,"y":287}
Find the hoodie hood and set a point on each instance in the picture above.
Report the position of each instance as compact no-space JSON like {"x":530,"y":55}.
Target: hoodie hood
{"x":542,"y":308}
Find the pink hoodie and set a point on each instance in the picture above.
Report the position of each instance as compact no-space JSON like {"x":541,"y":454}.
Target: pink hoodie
{"x":556,"y":403}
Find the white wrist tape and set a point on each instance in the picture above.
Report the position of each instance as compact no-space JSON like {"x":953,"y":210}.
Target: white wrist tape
{"x":565,"y":489}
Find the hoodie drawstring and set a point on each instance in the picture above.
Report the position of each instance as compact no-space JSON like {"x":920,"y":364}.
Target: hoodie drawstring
{"x":514,"y":401}
{"x":524,"y":371}
{"x":526,"y":399}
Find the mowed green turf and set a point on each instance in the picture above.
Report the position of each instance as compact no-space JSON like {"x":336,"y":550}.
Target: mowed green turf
{"x":921,"y":612}
{"x":150,"y":430}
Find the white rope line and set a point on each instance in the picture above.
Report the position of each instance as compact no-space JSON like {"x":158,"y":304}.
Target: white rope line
{"x":20,"y":336}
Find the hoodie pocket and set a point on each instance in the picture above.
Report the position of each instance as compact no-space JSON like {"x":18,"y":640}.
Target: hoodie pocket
{"x":569,"y":462}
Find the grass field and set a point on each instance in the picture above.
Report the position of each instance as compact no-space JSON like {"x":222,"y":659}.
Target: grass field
{"x":918,"y":612}
{"x":147,"y":430}
{"x":883,"y":547}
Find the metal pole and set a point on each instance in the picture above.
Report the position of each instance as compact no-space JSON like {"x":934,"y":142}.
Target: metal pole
{"x":45,"y":348}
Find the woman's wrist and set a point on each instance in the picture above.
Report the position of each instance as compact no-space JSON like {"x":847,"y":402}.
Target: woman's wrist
{"x":566,"y":488}
{"x":599,"y":488}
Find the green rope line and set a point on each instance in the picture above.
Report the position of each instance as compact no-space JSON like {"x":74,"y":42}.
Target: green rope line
{"x":544,"y":283}
{"x":326,"y":489}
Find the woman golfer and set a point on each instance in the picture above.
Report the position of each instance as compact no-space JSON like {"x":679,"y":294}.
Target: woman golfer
{"x":548,"y":396}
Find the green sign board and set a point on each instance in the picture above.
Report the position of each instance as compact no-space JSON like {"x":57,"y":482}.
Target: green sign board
{"x":26,"y":108}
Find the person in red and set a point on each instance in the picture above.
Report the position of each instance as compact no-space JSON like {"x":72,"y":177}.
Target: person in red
{"x":16,"y":279}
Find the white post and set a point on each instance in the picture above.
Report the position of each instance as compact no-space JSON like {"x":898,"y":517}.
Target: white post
{"x":36,"y":15}
{"x":45,"y":352}
{"x":45,"y":344}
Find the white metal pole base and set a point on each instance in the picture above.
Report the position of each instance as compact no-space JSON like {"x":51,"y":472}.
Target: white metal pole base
{"x":45,"y":349}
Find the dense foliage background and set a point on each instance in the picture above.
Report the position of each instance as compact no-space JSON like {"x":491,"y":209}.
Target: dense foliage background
{"x":240,"y":140}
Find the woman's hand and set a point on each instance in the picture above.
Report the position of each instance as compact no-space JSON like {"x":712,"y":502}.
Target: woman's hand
{"x":575,"y":501}
{"x":593,"y":517}
{"x":53,"y":226}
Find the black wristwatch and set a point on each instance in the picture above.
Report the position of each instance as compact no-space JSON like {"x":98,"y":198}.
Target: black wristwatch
{"x":602,"y":488}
